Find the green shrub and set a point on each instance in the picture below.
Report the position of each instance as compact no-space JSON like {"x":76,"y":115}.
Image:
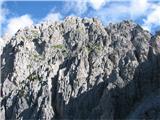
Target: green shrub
{"x":29,"y":66}
{"x":37,"y":57}
{"x":62,"y":48}
{"x":34,"y":77}
{"x":80,"y":29}
{"x":34,"y":33}
{"x":28,"y":37}
{"x":58,"y":47}
{"x":21,"y":92}
{"x":94,"y":47}
{"x":65,"y":53}
{"x":89,"y":49}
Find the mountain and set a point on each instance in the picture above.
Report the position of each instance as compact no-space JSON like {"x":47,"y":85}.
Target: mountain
{"x":81,"y":69}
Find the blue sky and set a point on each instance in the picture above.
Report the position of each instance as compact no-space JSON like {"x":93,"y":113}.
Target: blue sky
{"x":19,"y":14}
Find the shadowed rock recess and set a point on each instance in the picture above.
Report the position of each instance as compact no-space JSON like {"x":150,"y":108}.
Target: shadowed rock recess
{"x":80,"y":69}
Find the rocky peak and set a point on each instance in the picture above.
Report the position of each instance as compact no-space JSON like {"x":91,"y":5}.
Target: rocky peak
{"x":80,"y":69}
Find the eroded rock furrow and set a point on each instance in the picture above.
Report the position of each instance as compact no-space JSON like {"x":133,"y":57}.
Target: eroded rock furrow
{"x":80,"y":69}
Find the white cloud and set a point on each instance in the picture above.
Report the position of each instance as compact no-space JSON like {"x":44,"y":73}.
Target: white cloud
{"x":145,"y":10}
{"x":1,"y":2}
{"x":52,"y":17}
{"x":138,"y":8}
{"x":112,"y":13}
{"x":97,"y":4}
{"x":80,"y":7}
{"x":77,"y":7}
{"x":17,"y":23}
{"x":153,"y":18}
{"x":3,"y":13}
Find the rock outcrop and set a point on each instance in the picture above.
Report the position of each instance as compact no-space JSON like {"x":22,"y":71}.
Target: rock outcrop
{"x":79,"y":69}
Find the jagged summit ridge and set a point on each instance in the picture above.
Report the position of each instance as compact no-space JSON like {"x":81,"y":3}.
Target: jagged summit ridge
{"x":80,"y":69}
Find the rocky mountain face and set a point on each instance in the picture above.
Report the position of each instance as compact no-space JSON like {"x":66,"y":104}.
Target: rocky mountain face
{"x":80,"y":69}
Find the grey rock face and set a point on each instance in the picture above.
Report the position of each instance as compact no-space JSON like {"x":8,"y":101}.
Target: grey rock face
{"x":79,"y":69}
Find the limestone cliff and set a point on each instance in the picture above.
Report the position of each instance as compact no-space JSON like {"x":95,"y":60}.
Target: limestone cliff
{"x":81,"y":69}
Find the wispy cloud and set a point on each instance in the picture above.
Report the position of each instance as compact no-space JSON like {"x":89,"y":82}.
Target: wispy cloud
{"x":97,"y":4}
{"x":15,"y":23}
{"x":113,"y":12}
{"x":52,"y":16}
{"x":76,"y":7}
{"x":153,"y":17}
{"x":81,"y":7}
{"x":3,"y":13}
{"x":145,"y":11}
{"x":138,"y":8}
{"x":18,"y":23}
